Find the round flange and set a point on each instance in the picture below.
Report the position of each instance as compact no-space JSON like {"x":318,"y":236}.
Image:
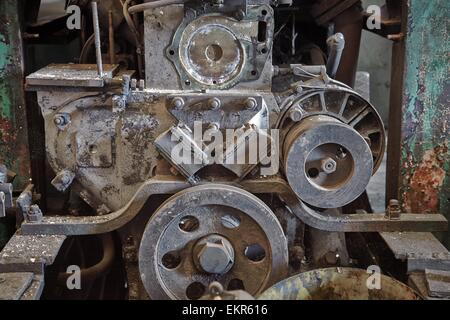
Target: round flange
{"x":210,"y":52}
{"x":328,"y":164}
{"x":211,"y":233}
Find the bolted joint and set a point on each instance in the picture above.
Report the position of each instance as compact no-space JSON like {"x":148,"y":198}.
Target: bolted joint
{"x":393,"y":211}
{"x":177,"y":102}
{"x":215,"y":255}
{"x":61,"y":120}
{"x":296,"y":114}
{"x":251,"y":104}
{"x":214,"y":103}
{"x":328,"y":165}
{"x":34,"y":214}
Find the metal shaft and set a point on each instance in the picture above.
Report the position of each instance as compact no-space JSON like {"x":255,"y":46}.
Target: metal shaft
{"x":98,"y":49}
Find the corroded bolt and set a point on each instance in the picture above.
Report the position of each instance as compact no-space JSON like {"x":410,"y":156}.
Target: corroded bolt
{"x":393,"y":210}
{"x":61,"y":120}
{"x":215,"y":254}
{"x":251,"y":103}
{"x":296,"y":114}
{"x":328,"y":165}
{"x":214,"y":103}
{"x":178,"y":102}
{"x":34,"y":214}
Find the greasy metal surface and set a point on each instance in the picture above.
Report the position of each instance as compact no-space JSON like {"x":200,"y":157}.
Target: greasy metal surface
{"x":30,"y":253}
{"x":425,"y":157}
{"x":14,"y":284}
{"x":14,"y":151}
{"x":71,"y":75}
{"x":210,"y":205}
{"x":337,"y":284}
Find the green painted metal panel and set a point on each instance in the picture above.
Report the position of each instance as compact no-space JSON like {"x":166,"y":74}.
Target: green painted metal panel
{"x":13,"y":122}
{"x":425,"y":159}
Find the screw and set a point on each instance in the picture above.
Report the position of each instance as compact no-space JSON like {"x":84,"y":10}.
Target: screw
{"x":34,"y":214}
{"x":61,"y":120}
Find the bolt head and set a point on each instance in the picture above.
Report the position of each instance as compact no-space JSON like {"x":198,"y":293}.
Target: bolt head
{"x":178,"y":102}
{"x":296,"y":114}
{"x":215,"y":257}
{"x":214,"y":103}
{"x":329,"y":165}
{"x":251,"y":103}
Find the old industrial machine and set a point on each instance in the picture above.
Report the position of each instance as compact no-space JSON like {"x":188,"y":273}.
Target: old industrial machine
{"x":200,"y":141}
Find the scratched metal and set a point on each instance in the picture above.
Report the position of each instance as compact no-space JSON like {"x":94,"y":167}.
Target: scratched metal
{"x":425,"y":159}
{"x":14,"y":151}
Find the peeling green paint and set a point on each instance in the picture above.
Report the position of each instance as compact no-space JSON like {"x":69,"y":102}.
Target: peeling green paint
{"x":425,"y":160}
{"x":13,"y":122}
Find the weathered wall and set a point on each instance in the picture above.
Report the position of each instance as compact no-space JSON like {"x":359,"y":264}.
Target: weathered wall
{"x":425,"y":158}
{"x":13,"y":122}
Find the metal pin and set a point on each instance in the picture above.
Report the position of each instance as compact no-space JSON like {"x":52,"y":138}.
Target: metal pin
{"x":98,"y":49}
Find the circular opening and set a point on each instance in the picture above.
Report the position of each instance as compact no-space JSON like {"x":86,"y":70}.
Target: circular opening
{"x":214,"y":52}
{"x":329,"y":166}
{"x":171,"y":52}
{"x":189,"y":224}
{"x":93,"y":149}
{"x":264,"y":50}
{"x":171,"y":260}
{"x":214,"y":82}
{"x":264,"y":12}
{"x":236,"y":284}
{"x":313,"y":173}
{"x":195,"y":291}
{"x":187,"y":82}
{"x":230,"y":221}
{"x":254,"y":73}
{"x":255,"y":252}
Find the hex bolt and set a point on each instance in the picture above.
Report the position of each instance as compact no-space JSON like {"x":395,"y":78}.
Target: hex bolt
{"x":214,"y":254}
{"x":393,"y":211}
{"x":296,"y":114}
{"x":328,"y":165}
{"x":178,"y":102}
{"x":34,"y":214}
{"x":214,"y":103}
{"x":251,"y":103}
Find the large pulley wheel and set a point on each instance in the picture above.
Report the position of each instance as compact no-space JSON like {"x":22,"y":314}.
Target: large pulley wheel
{"x":211,"y":233}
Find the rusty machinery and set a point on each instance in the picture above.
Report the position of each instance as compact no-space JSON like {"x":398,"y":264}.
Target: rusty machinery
{"x":110,"y":132}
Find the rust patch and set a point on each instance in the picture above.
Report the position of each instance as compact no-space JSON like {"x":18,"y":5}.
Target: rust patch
{"x":425,"y":184}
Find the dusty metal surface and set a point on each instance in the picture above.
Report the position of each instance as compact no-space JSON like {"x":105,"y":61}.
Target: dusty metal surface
{"x":425,"y":158}
{"x":30,"y":253}
{"x":14,"y":284}
{"x":14,"y":151}
{"x":71,"y":75}
{"x":337,"y":284}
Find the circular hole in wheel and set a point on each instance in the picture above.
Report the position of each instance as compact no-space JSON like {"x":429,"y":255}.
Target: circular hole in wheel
{"x":171,"y":52}
{"x":195,"y":291}
{"x":236,"y":284}
{"x":230,"y":221}
{"x":255,"y":252}
{"x":171,"y":260}
{"x":264,"y":12}
{"x":187,"y":82}
{"x":189,"y":224}
{"x":313,"y":173}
